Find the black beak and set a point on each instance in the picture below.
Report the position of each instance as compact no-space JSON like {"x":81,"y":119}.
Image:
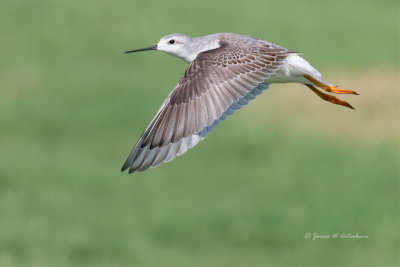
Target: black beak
{"x":154,"y":47}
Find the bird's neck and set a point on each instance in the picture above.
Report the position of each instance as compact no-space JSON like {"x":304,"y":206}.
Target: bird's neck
{"x":203,"y":43}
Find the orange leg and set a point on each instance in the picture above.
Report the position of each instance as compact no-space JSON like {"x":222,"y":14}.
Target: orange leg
{"x":328,"y":88}
{"x":329,"y":98}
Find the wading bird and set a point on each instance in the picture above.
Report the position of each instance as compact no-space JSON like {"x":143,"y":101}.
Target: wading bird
{"x":226,"y":71}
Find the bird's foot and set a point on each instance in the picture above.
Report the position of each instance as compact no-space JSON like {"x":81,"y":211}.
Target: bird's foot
{"x":327,"y":87}
{"x":334,"y":89}
{"x":329,"y":98}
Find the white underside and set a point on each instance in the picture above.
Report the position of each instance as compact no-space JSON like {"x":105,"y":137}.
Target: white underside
{"x":293,"y":70}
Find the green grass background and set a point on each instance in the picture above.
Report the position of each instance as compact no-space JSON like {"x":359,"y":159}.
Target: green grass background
{"x":72,"y":105}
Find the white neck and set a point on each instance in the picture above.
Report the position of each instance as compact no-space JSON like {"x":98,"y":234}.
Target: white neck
{"x":202,"y":44}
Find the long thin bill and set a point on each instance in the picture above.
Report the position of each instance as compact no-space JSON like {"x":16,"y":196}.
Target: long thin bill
{"x":154,"y":47}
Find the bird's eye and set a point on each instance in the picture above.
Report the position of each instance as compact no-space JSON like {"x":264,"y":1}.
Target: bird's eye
{"x":172,"y":41}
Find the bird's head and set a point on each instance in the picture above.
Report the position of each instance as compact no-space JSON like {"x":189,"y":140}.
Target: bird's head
{"x":176,"y":44}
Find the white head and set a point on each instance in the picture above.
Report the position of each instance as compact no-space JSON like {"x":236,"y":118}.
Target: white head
{"x":176,"y":44}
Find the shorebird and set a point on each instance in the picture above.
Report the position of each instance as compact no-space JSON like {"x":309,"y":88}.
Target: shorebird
{"x":226,"y":71}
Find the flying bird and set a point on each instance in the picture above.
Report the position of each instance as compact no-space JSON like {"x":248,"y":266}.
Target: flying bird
{"x":226,"y":71}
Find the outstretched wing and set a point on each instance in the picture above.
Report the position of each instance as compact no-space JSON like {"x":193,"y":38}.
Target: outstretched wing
{"x":216,"y":84}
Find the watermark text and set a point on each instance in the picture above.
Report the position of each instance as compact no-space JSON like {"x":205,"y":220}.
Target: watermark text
{"x":319,"y":236}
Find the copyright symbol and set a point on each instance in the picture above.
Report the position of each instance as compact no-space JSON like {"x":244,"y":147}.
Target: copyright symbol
{"x":307,"y":235}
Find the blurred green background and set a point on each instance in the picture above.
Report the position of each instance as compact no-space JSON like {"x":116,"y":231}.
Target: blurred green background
{"x":72,"y":105}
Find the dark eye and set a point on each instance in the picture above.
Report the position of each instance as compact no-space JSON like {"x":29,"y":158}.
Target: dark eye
{"x":172,"y":41}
